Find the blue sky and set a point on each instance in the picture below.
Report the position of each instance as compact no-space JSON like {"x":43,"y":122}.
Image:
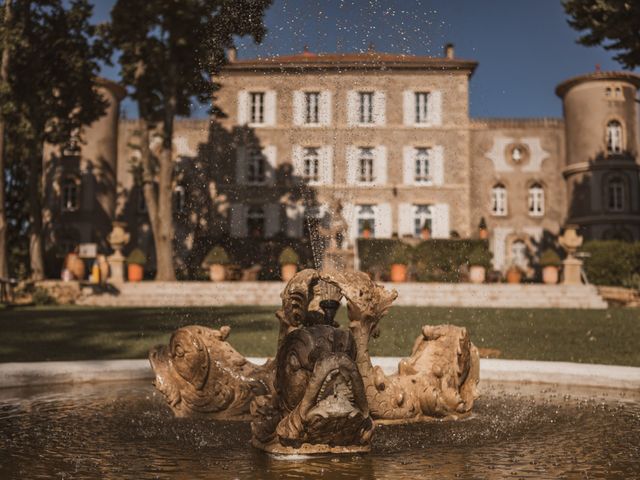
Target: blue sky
{"x":524,"y":47}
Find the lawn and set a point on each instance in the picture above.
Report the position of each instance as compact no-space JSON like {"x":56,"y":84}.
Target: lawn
{"x":75,"y":333}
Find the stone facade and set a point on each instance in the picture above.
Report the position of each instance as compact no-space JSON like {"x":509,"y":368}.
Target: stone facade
{"x":390,"y":136}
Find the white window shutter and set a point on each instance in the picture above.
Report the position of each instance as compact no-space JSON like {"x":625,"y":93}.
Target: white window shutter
{"x":325,"y":108}
{"x":409,"y":107}
{"x":405,"y":219}
{"x":295,"y":221}
{"x":434,"y":108}
{"x":383,"y":221}
{"x":238,"y":220}
{"x":408,"y":165}
{"x":298,"y":107}
{"x":270,"y":107}
{"x":379,"y":108}
{"x":352,"y":164}
{"x":297,"y":161}
{"x":437,"y":165}
{"x":271,"y":219}
{"x":349,"y":214}
{"x":243,"y":107}
{"x":326,"y":165}
{"x":440,"y":223}
{"x":270,"y":153}
{"x":380,"y":165}
{"x":352,"y":107}
{"x":241,"y":165}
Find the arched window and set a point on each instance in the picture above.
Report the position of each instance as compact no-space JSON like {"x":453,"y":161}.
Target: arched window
{"x":614,"y":137}
{"x":499,"y":200}
{"x":616,"y":195}
{"x":520,"y":254}
{"x":536,"y":200}
{"x":255,"y":222}
{"x":179,"y":199}
{"x":70,"y":195}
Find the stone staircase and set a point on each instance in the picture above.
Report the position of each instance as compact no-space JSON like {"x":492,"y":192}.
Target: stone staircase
{"x":182,"y":294}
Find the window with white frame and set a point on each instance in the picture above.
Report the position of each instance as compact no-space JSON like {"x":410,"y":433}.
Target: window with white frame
{"x":179,"y":199}
{"x":614,"y":137}
{"x":366,"y":161}
{"x":422,"y":170}
{"x":70,"y":195}
{"x":422,"y":219}
{"x":616,"y":195}
{"x":312,"y":107}
{"x":536,"y":200}
{"x":499,"y":200}
{"x":422,"y":102}
{"x":256,"y":165}
{"x":256,"y":107}
{"x":366,"y":220}
{"x":311,"y":164}
{"x":365,"y":107}
{"x":255,"y":221}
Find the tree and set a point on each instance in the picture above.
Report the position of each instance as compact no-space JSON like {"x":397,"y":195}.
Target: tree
{"x":51,"y":90}
{"x":614,"y":24}
{"x":4,"y":81}
{"x":170,"y":49}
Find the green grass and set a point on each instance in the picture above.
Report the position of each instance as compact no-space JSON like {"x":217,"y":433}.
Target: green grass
{"x":75,"y":333}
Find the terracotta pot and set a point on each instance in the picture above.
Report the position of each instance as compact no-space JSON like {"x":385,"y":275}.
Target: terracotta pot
{"x":550,"y":274}
{"x":477,"y":274}
{"x":514,"y":275}
{"x":217,"y":272}
{"x":425,"y":233}
{"x":366,"y":233}
{"x":484,"y":234}
{"x":135,"y":272}
{"x":75,"y":265}
{"x":288,"y":270}
{"x":398,"y":273}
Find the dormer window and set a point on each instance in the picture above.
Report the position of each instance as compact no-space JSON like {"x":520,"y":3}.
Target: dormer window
{"x":614,"y":137}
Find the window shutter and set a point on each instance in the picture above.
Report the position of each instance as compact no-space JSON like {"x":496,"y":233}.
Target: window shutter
{"x":437,"y":165}
{"x":297,"y":161}
{"x":241,"y":165}
{"x":238,"y":220}
{"x":434,"y":107}
{"x":298,"y":107}
{"x":352,"y":165}
{"x":409,"y":107}
{"x":326,"y":165}
{"x":270,"y":153}
{"x":243,"y":107}
{"x":380,"y":165}
{"x":271,"y":219}
{"x":270,"y":107}
{"x":295,"y":221}
{"x":440,"y":222}
{"x":383,"y":221}
{"x":405,"y":219}
{"x":379,"y":108}
{"x":325,"y":108}
{"x":349,"y":214}
{"x":408,"y":165}
{"x":352,"y":107}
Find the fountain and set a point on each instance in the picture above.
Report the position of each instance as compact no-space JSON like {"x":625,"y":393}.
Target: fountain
{"x":321,"y":394}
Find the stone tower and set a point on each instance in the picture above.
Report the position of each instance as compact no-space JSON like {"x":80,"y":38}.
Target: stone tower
{"x":602,"y":161}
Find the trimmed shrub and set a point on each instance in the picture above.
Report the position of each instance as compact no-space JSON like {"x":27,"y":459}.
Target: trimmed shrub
{"x":480,"y":256}
{"x":400,"y":254}
{"x":550,"y":258}
{"x":137,"y":257}
{"x":288,"y":256}
{"x":216,"y":256}
{"x":612,"y":262}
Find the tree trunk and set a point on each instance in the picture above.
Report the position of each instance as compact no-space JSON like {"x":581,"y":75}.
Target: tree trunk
{"x":4,"y":78}
{"x":36,"y":251}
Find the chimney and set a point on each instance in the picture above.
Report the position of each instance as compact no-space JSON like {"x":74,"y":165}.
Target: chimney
{"x":232,"y":54}
{"x":449,"y":52}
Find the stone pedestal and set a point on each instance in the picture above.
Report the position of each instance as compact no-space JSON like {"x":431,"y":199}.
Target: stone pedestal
{"x":116,"y":268}
{"x":571,"y":268}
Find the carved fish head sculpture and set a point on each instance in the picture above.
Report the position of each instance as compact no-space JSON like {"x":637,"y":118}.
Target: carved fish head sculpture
{"x":200,"y":374}
{"x":320,"y":395}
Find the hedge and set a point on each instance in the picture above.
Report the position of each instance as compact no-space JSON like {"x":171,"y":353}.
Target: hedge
{"x":613,"y":262}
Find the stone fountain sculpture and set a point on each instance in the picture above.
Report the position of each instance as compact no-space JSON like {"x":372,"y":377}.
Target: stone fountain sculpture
{"x":321,"y":393}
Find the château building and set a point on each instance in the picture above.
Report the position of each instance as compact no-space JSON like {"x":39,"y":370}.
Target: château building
{"x":388,"y":135}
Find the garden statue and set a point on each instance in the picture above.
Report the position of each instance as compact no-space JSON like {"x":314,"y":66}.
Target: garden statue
{"x":322,"y":393}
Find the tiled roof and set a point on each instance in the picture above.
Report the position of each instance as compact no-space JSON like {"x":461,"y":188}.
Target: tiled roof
{"x":564,"y":87}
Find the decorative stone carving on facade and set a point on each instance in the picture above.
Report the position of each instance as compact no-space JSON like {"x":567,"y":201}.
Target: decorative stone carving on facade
{"x":535,"y":154}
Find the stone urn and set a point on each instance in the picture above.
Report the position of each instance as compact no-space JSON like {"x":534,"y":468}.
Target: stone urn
{"x":477,"y":274}
{"x":217,"y":272}
{"x":75,"y":265}
{"x":550,"y":263}
{"x":514,"y":275}
{"x":550,"y":274}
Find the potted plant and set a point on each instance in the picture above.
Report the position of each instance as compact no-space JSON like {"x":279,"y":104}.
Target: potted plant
{"x":514,"y":274}
{"x":425,"y":232}
{"x":135,"y":265}
{"x":483,"y":231}
{"x":216,"y":261}
{"x":288,"y":261}
{"x":550,"y":263}
{"x":399,"y":260}
{"x":479,"y":263}
{"x":366,"y":229}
